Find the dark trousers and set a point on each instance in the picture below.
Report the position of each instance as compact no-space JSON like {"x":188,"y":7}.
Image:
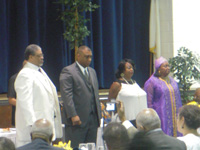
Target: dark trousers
{"x":78,"y":134}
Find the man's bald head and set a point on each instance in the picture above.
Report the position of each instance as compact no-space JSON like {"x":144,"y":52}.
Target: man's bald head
{"x":42,"y":128}
{"x":147,"y":120}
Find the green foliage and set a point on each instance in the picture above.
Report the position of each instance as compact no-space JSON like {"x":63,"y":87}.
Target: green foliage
{"x":183,"y":68}
{"x":76,"y":30}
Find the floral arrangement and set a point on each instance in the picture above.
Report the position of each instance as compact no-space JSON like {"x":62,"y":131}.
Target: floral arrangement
{"x":65,"y":145}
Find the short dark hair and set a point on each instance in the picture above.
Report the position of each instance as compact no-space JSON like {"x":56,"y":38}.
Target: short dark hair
{"x":191,"y":114}
{"x":82,"y":48}
{"x":121,"y":67}
{"x":116,"y":136}
{"x":6,"y":144}
{"x":30,"y":50}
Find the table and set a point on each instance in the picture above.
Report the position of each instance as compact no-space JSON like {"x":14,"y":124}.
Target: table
{"x":11,"y":134}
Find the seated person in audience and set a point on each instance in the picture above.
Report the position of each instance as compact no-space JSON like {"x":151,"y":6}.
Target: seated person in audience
{"x":115,"y":136}
{"x":6,"y":144}
{"x":148,"y":120}
{"x":41,"y":136}
{"x":188,"y":122}
{"x":150,"y":132}
{"x":196,"y":100}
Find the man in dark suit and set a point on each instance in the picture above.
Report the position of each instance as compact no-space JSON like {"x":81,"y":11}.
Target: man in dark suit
{"x":150,"y":136}
{"x":79,"y":91}
{"x":41,"y":136}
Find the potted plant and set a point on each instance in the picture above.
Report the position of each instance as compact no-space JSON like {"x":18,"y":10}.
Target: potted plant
{"x":185,"y":71}
{"x":74,"y":21}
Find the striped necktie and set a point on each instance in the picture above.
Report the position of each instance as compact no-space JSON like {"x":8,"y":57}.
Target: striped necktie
{"x":86,"y":75}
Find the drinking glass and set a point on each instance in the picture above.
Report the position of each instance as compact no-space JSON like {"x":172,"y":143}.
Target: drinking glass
{"x":91,"y":146}
{"x":83,"y":146}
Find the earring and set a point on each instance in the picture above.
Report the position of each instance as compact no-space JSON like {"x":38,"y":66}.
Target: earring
{"x":122,"y":74}
{"x":159,"y":71}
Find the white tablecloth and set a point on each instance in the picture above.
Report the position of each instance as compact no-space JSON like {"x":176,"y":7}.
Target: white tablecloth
{"x":11,"y":134}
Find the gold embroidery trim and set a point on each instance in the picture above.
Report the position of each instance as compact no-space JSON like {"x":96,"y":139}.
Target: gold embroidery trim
{"x":173,"y":107}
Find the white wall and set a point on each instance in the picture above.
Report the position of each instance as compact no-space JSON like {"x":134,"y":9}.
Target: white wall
{"x":186,"y":24}
{"x":166,"y":28}
{"x":180,"y":26}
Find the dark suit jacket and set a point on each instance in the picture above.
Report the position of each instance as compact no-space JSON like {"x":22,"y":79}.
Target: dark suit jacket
{"x":162,"y":141}
{"x":38,"y":144}
{"x":76,"y":93}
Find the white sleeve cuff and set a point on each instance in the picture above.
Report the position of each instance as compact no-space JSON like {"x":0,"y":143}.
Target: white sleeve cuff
{"x":127,"y":124}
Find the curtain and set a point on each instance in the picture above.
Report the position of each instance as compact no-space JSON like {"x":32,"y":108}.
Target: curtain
{"x":119,"y":29}
{"x":3,"y":48}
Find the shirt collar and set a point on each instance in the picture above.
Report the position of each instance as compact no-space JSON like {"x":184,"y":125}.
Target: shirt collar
{"x":32,"y":66}
{"x":82,"y":68}
{"x":154,"y":130}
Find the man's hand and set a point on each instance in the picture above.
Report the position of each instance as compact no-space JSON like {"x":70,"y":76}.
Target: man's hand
{"x":121,"y":111}
{"x":76,"y":120}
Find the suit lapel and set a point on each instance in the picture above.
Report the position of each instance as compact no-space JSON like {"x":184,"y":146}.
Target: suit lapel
{"x":43,"y":78}
{"x":83,"y":77}
{"x":40,"y":76}
{"x":91,"y":77}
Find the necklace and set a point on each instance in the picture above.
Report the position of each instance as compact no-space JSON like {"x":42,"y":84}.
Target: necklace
{"x":127,"y":81}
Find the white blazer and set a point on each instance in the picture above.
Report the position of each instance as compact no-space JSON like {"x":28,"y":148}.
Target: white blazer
{"x":36,"y":99}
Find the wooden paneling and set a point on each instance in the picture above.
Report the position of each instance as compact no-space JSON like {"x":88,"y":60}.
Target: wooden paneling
{"x":6,"y":109}
{"x":5,"y":115}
